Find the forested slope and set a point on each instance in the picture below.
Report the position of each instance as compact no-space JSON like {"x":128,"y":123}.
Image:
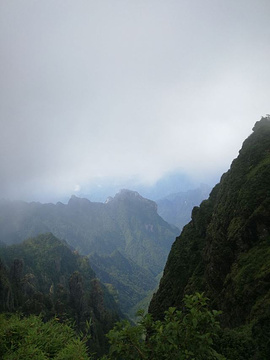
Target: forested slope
{"x":225,"y":249}
{"x":42,"y":276}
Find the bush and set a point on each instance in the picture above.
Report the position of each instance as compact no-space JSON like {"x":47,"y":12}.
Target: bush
{"x":182,"y":335}
{"x":31,"y":338}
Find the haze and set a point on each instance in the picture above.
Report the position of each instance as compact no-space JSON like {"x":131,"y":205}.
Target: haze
{"x":127,"y":90}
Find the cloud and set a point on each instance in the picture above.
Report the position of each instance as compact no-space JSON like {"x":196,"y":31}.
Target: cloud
{"x":127,"y":89}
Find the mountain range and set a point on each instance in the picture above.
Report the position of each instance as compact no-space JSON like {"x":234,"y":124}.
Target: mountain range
{"x":126,"y":230}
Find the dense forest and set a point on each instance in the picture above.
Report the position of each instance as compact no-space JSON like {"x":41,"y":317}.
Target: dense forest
{"x":44,"y":277}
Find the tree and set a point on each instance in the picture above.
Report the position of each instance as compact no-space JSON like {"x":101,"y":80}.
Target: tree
{"x":183,"y":334}
{"x":31,"y":338}
{"x":186,"y":334}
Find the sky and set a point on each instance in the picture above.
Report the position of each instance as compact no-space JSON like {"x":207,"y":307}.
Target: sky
{"x":127,"y":92}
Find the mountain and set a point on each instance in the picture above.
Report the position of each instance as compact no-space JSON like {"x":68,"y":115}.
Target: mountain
{"x":171,"y":182}
{"x":127,"y":223}
{"x":43,"y":276}
{"x":224,"y":251}
{"x":176,"y":208}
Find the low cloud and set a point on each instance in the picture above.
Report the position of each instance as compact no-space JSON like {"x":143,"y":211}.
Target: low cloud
{"x":127,"y":89}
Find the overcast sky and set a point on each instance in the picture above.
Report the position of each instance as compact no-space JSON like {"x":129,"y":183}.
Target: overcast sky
{"x":94,"y":89}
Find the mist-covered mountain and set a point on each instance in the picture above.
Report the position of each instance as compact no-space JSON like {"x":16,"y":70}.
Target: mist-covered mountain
{"x":224,"y":251}
{"x":173,"y":182}
{"x":127,"y":223}
{"x":176,"y":208}
{"x":43,"y":276}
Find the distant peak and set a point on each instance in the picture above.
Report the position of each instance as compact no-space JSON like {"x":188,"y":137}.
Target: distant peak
{"x":79,"y":201}
{"x":128,"y":193}
{"x":109,"y":199}
{"x":125,"y":194}
{"x":133,"y":196}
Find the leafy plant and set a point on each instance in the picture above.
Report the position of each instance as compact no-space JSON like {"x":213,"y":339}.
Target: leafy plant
{"x":183,"y":334}
{"x":31,"y":338}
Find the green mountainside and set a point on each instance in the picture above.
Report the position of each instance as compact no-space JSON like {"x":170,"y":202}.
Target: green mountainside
{"x":225,"y":251}
{"x":43,"y":276}
{"x":127,"y":224}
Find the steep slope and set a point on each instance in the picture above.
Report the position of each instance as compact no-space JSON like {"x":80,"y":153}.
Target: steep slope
{"x":43,"y":276}
{"x":225,"y":249}
{"x":176,"y":208}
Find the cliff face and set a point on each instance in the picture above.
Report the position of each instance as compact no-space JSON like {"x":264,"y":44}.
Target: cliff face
{"x":225,"y":249}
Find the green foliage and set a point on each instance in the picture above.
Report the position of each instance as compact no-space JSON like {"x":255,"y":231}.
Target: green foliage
{"x":237,"y":344}
{"x":247,"y":292}
{"x":31,"y":338}
{"x":183,"y":335}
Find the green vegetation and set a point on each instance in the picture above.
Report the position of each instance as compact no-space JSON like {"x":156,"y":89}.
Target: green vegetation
{"x":42,"y":276}
{"x":31,"y":338}
{"x":187,"y":334}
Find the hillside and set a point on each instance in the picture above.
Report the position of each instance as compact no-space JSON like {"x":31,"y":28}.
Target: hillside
{"x":127,"y":223}
{"x":225,"y":250}
{"x":42,"y":276}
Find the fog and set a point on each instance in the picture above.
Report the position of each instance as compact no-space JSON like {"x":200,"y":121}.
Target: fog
{"x":127,"y":91}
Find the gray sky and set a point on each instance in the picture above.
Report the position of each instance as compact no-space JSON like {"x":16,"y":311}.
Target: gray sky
{"x":127,"y":89}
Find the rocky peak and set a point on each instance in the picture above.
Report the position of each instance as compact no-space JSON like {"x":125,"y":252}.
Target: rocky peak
{"x":133,"y":196}
{"x":78,"y":202}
